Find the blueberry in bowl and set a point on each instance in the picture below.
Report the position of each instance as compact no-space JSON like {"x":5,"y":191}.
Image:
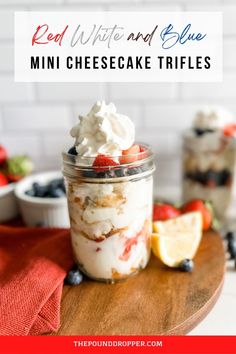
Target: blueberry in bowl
{"x":42,"y":200}
{"x":53,"y":189}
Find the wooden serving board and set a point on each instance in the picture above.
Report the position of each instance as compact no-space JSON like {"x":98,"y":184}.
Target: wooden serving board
{"x":157,"y":301}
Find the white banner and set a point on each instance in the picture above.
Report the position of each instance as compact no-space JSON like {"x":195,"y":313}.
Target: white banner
{"x":118,"y":46}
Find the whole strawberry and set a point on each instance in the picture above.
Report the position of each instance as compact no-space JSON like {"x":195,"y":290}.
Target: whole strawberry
{"x":102,"y":162}
{"x":18,"y":167}
{"x":3,"y":180}
{"x":204,"y":207}
{"x":3,"y":154}
{"x":163,"y":212}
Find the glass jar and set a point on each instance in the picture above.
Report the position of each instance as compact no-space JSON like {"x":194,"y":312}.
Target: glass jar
{"x":208,"y":169}
{"x":110,"y":215}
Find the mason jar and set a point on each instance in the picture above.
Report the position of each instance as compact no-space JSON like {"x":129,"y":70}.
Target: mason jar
{"x":208,"y":169}
{"x":110,"y":213}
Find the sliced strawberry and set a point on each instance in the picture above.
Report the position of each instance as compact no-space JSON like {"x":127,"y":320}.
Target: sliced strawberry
{"x":143,"y":152}
{"x":143,"y":235}
{"x":142,"y":148}
{"x":130,"y":155}
{"x":3,"y":154}
{"x":128,"y":245}
{"x":102,"y":162}
{"x":163,"y":212}
{"x":3,"y":180}
{"x":204,"y":208}
{"x":230,"y":130}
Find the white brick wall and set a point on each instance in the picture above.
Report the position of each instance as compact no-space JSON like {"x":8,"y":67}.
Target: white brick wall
{"x":6,"y":23}
{"x":36,"y":118}
{"x":7,"y":59}
{"x":142,"y":91}
{"x":11,"y":92}
{"x":71,"y":92}
{"x":1,"y":127}
{"x":45,"y":118}
{"x":22,"y":143}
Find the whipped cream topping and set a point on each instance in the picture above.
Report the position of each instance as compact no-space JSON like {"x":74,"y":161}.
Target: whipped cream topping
{"x":215,"y":118}
{"x":103,"y":131}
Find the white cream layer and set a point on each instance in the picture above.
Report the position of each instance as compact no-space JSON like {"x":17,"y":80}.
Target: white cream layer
{"x":131,"y":210}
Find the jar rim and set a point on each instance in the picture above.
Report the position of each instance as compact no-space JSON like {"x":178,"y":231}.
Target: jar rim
{"x":86,"y":162}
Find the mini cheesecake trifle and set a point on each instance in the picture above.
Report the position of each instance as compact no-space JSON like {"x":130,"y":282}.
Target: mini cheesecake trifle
{"x":109,"y":188}
{"x":209,"y":154}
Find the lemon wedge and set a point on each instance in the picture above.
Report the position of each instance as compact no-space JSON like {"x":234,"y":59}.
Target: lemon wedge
{"x":177,"y":239}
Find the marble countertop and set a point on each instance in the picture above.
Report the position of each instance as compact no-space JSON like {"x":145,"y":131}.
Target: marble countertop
{"x":222,"y":318}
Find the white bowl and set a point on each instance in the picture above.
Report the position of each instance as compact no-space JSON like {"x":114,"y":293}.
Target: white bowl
{"x":8,"y":203}
{"x":45,"y":212}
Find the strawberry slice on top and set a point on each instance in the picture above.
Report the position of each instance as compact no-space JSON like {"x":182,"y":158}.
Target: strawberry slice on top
{"x":130,"y":155}
{"x":143,"y":152}
{"x":103,"y":162}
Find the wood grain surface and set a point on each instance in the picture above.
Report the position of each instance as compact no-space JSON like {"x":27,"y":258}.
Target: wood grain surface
{"x":157,"y":301}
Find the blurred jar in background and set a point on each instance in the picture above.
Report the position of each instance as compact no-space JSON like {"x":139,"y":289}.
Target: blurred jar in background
{"x":209,"y":154}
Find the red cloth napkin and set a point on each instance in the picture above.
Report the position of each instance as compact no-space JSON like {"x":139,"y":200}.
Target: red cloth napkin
{"x":33,"y":265}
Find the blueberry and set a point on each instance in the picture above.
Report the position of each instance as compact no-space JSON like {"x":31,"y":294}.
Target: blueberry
{"x":188,"y":175}
{"x":105,"y":174}
{"x":54,"y":189}
{"x":51,"y":186}
{"x":59,"y":183}
{"x":232,"y":248}
{"x":203,"y":177}
{"x":231,"y":235}
{"x":100,"y":174}
{"x":196,"y":176}
{"x":133,"y":171}
{"x":39,"y":191}
{"x":224,"y":176}
{"x":186,"y":265}
{"x":144,"y":168}
{"x":200,"y":132}
{"x":63,"y":188}
{"x":35,"y":186}
{"x":74,"y":277}
{"x":43,"y":191}
{"x":57,"y":193}
{"x":72,"y":151}
{"x":89,"y":174}
{"x":120,"y":172}
{"x":55,"y":183}
{"x":212,"y":177}
{"x":30,"y":193}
